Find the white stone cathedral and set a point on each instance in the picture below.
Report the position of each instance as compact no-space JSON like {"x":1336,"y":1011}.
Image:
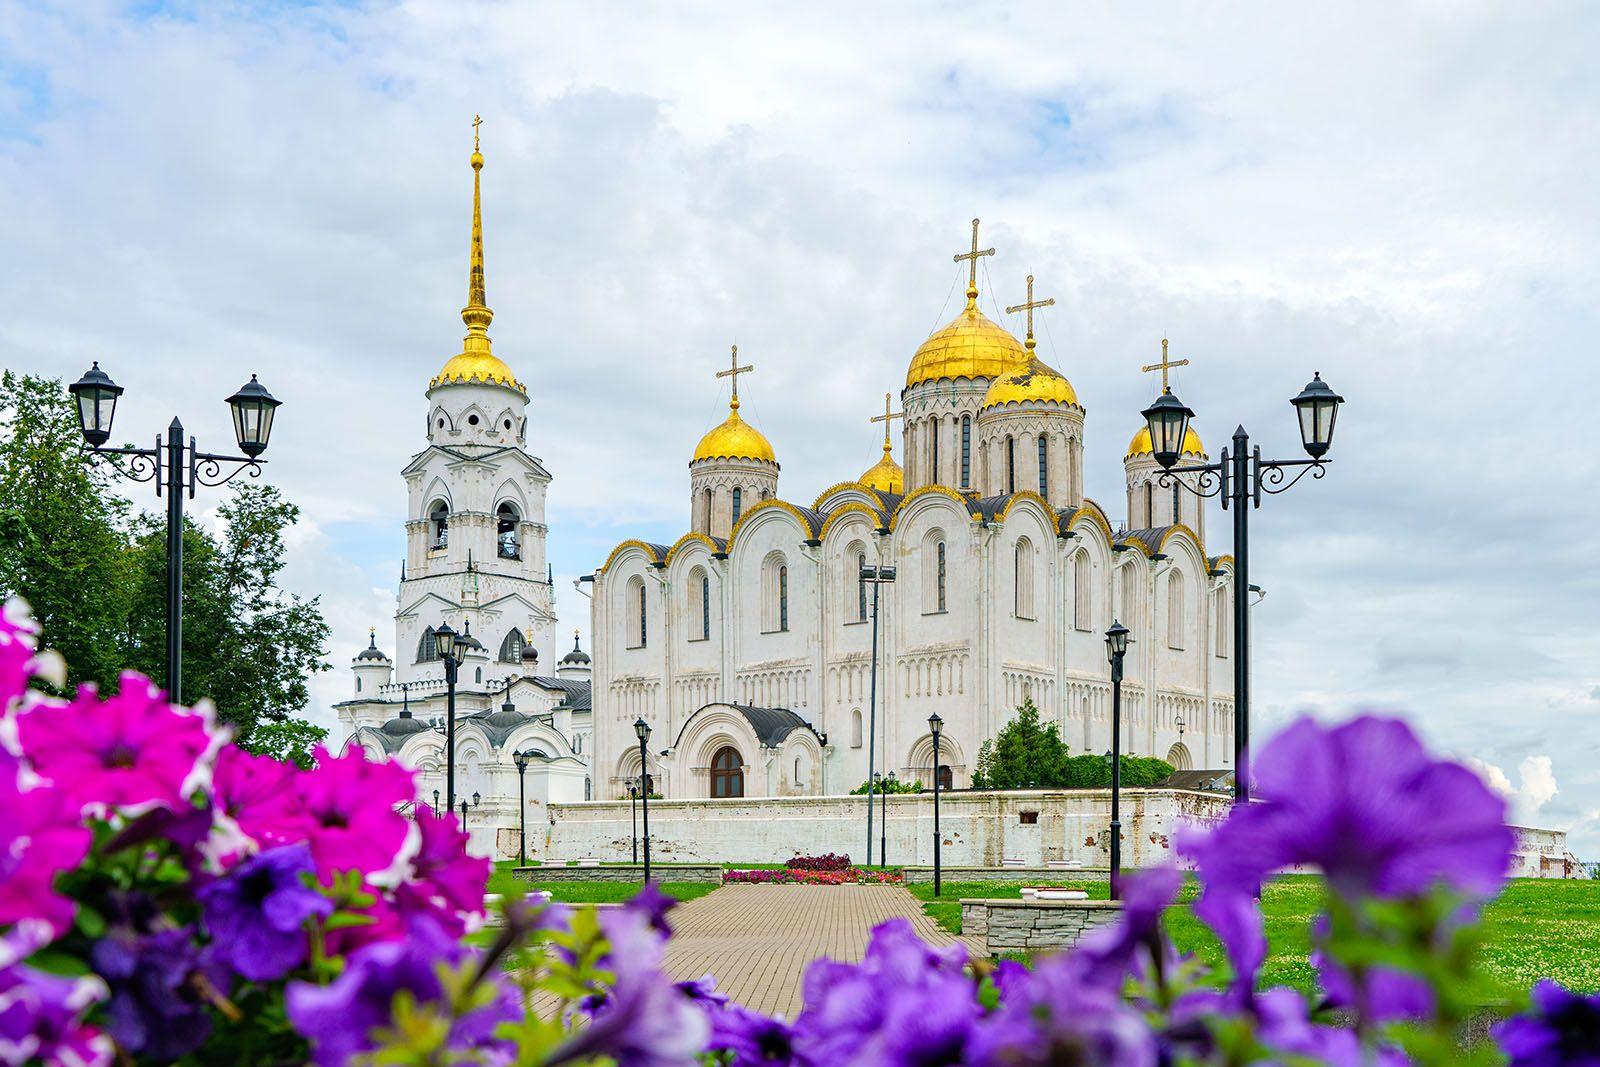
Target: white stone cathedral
{"x":475,"y":559}
{"x":746,"y":645}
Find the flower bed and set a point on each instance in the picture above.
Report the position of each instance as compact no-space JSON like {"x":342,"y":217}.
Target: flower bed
{"x":166,"y":897}
{"x":808,"y":876}
{"x":831,"y":861}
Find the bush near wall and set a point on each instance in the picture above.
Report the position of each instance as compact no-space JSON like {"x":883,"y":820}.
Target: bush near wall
{"x":1029,"y":754}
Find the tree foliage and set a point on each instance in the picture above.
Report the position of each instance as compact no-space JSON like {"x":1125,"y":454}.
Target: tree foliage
{"x":289,"y":741}
{"x":95,"y":573}
{"x":1028,"y":754}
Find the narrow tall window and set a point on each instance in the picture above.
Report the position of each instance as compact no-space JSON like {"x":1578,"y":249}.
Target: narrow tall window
{"x":1044,"y":469}
{"x":1011,"y":464}
{"x":855,"y":728}
{"x":1022,"y":580}
{"x":1080,"y":592}
{"x":428,"y":647}
{"x":708,"y":509}
{"x":439,"y":525}
{"x":738,"y":504}
{"x":506,"y":520}
{"x":705,"y":608}
{"x":1149,"y":504}
{"x":1175,"y":611}
{"x":966,"y":451}
{"x":861,"y":588}
{"x":933,"y":449}
{"x":1221,"y":626}
{"x":1175,"y":499}
{"x":636,"y":612}
{"x":783,"y":598}
{"x":941,"y":577}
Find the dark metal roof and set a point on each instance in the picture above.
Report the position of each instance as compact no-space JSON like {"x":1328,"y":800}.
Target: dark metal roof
{"x":989,"y":506}
{"x":1201,"y":781}
{"x":577,"y":692}
{"x":772,"y":725}
{"x":577,"y":655}
{"x":1150,"y":538}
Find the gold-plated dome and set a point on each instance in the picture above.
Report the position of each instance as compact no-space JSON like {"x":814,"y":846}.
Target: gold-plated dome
{"x":734,"y":439}
{"x":1141,"y":446}
{"x":970,"y":346}
{"x":1037,"y":383}
{"x":476,"y":362}
{"x":885,"y":475}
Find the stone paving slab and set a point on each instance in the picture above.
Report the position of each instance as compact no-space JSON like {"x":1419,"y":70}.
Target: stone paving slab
{"x":758,"y":939}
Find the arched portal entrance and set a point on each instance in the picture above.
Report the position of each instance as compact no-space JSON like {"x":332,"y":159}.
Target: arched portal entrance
{"x":727,"y":773}
{"x":1178,"y":756}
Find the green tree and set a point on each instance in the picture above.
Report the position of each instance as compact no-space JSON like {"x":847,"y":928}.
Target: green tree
{"x":63,"y":533}
{"x":290,"y":741}
{"x":247,"y":644}
{"x":1025,"y":754}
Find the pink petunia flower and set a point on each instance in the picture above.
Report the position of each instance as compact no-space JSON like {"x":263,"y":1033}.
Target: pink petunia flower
{"x":40,"y":837}
{"x":131,"y":753}
{"x":351,"y":803}
{"x":18,"y":642}
{"x":444,"y":881}
{"x":261,"y":796}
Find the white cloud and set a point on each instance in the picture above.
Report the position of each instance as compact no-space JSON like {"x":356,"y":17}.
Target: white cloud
{"x":1399,"y":196}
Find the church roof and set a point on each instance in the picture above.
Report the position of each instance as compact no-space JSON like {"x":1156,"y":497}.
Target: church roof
{"x":577,"y":655}
{"x":969,"y":346}
{"x":578,"y":693}
{"x":734,"y":439}
{"x":1034,"y":382}
{"x":1152,"y":540}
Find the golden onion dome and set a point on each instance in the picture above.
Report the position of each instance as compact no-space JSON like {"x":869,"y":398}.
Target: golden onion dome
{"x":970,"y":346}
{"x":885,"y":475}
{"x":1141,"y":446}
{"x":469,"y":367}
{"x":734,"y":439}
{"x":1037,"y":383}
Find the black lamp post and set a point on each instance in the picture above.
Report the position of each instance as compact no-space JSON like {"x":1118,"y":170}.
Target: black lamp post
{"x":1116,"y":648}
{"x":642,"y":730}
{"x":452,"y":650}
{"x":885,"y":784}
{"x":877,"y":576}
{"x":633,"y":817}
{"x":436,"y":802}
{"x":521,"y":760}
{"x":1238,"y":479}
{"x":936,"y":727}
{"x":185,"y":468}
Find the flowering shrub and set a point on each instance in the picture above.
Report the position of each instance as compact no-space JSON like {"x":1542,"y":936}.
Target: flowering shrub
{"x":166,"y":897}
{"x":832,"y":861}
{"x":808,"y":876}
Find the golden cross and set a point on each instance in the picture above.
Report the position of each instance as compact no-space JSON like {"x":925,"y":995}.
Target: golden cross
{"x":1164,"y":366}
{"x":1030,"y":304}
{"x":477,"y":120}
{"x":888,"y":416}
{"x":972,"y":257}
{"x":734,"y":370}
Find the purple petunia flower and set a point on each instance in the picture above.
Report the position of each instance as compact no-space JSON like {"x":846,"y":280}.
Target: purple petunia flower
{"x":1108,"y":954}
{"x":157,"y":1009}
{"x":339,"y":1019}
{"x":1056,"y":1017}
{"x":41,"y":1015}
{"x":749,"y":1037}
{"x":256,"y":914}
{"x":1561,"y":1030}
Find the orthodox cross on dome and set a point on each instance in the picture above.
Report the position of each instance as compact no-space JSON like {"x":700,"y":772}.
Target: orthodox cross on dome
{"x":1028,"y":306}
{"x":477,"y":120}
{"x":1164,"y":366}
{"x":887,"y":418}
{"x":733,"y":371}
{"x":972,"y":258}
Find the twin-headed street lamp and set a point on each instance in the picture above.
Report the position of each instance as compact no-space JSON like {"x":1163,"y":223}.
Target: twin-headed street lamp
{"x":476,"y":800}
{"x":1238,"y":479}
{"x":875,"y":576}
{"x":185,"y":468}
{"x":642,"y":730}
{"x":453,"y":650}
{"x":1116,"y":649}
{"x":936,"y":728}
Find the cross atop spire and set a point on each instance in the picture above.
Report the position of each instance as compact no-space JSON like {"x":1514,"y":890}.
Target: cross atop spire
{"x":1164,"y":366}
{"x":476,"y":314}
{"x":477,"y":120}
{"x":972,"y":258}
{"x":887,"y":418}
{"x":733,"y":371}
{"x":1028,"y":306}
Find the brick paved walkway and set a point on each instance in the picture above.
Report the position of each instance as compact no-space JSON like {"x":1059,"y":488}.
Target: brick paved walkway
{"x":758,"y":939}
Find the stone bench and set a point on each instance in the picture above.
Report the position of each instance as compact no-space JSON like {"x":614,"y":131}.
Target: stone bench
{"x":1014,"y":926}
{"x":621,"y":872}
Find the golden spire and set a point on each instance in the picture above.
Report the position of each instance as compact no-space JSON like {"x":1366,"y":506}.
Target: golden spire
{"x":887,"y":418}
{"x":972,"y":265}
{"x":1028,"y":306}
{"x":1164,"y":366}
{"x":885,"y":475}
{"x":476,"y":361}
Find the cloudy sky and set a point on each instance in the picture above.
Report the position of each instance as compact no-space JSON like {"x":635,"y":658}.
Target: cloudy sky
{"x":1400,"y":196}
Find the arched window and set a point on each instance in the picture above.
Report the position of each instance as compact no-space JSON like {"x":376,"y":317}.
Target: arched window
{"x":933,"y":451}
{"x":1080,"y":592}
{"x":855,"y":728}
{"x":727,"y":773}
{"x":947,"y":780}
{"x":1149,"y":504}
{"x":1044,"y":468}
{"x":797,"y":770}
{"x":855,"y":607}
{"x":505,"y":526}
{"x":707,"y":519}
{"x":358,"y":685}
{"x":966,"y":451}
{"x":774,"y":594}
{"x":1022,"y":578}
{"x":705,"y":606}
{"x":635,"y":607}
{"x":738,"y":503}
{"x":427,"y":647}
{"x":933,"y":573}
{"x":1175,"y":610}
{"x":1127,"y":606}
{"x":439,"y":525}
{"x":479,"y":677}
{"x":941,"y":576}
{"x":511,"y":647}
{"x":588,"y":788}
{"x":1011,"y":464}
{"x":1222,"y":623}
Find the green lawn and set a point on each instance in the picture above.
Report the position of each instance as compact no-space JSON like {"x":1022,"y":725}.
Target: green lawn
{"x":1534,"y":929}
{"x":501,"y":882}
